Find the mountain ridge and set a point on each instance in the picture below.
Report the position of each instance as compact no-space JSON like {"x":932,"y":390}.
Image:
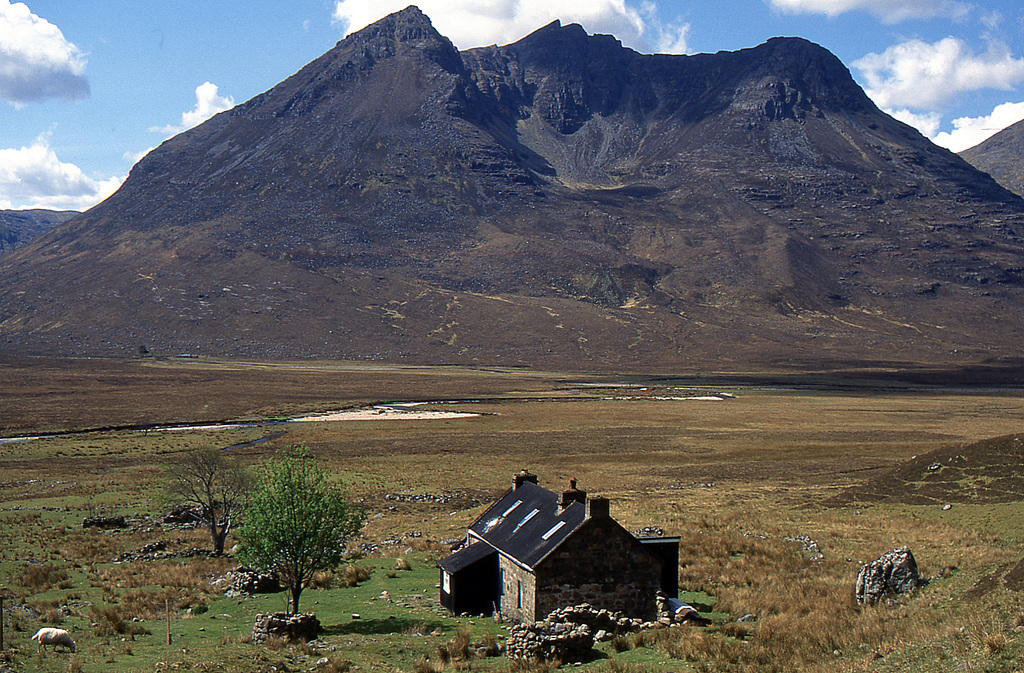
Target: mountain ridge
{"x":1001,"y":157}
{"x":18,"y":227}
{"x":559,"y":201}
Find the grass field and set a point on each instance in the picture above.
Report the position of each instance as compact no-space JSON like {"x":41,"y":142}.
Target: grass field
{"x":757,"y":483}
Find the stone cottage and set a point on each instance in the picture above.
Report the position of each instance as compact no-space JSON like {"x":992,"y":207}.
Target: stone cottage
{"x":535,"y":550}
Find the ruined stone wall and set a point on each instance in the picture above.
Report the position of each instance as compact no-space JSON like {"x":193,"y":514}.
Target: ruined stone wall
{"x":518,"y":600}
{"x":601,"y":564}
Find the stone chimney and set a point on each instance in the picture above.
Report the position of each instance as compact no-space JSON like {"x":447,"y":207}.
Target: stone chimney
{"x":523,"y":476}
{"x":598,"y":508}
{"x":572,"y":495}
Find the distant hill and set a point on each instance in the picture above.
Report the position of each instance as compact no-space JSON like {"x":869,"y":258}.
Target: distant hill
{"x":988,"y":471}
{"x":18,"y":227}
{"x":562,"y":201}
{"x":1002,"y":157}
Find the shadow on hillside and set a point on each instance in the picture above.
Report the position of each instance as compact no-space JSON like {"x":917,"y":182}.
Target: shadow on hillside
{"x":381,"y":626}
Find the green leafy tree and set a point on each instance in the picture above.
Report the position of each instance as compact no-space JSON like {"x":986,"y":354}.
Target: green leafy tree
{"x":297,"y":521}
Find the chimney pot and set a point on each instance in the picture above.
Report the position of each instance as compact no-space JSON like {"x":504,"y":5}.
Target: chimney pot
{"x":598,"y":508}
{"x":572,"y":495}
{"x":523,"y":477}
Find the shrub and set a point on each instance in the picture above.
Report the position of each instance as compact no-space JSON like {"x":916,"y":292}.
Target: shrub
{"x":53,"y":616}
{"x":322,"y":579}
{"x":354,"y":574}
{"x":423,"y":665}
{"x":621,"y":644}
{"x":333,"y":665}
{"x":40,"y":578}
{"x":108,"y":621}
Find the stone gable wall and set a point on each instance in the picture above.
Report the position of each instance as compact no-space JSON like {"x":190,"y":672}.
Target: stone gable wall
{"x":601,"y":564}
{"x":518,"y":600}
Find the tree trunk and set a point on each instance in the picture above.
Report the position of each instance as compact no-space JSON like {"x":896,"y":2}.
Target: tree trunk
{"x":217,"y":539}
{"x":296,"y":591}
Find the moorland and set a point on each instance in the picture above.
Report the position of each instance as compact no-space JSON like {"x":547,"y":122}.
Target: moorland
{"x":780,"y":488}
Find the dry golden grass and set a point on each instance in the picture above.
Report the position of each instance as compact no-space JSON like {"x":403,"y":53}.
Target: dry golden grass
{"x":40,"y":578}
{"x":734,"y":479}
{"x":194,"y":574}
{"x":354,"y":574}
{"x":322,"y":579}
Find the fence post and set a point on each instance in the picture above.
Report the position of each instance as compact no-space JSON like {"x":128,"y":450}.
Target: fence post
{"x":167,"y":611}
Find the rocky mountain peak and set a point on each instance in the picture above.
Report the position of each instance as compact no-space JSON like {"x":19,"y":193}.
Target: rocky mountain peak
{"x":562,"y":200}
{"x":407,"y":32}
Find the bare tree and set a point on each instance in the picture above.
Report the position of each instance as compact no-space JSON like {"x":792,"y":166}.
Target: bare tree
{"x":215,"y":484}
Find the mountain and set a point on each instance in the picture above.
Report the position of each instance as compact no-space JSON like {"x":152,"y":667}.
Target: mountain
{"x":1002,"y":157}
{"x":562,"y":201}
{"x":18,"y":227}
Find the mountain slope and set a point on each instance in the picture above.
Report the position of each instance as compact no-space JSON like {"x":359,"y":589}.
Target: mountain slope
{"x":18,"y":227}
{"x":1002,"y":157}
{"x":561,"y":201}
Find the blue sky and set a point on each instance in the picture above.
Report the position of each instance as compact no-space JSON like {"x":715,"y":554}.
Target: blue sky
{"x":87,"y":87}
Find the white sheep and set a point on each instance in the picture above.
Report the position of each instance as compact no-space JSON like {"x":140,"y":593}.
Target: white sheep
{"x":55,"y":637}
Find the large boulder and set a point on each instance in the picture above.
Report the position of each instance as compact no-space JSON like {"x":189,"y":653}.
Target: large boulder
{"x":892,"y":574}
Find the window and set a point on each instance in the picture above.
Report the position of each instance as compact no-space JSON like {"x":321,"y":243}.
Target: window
{"x":519,"y":594}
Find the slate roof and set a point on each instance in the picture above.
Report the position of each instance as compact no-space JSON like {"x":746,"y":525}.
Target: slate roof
{"x":466,"y":557}
{"x":526,"y":525}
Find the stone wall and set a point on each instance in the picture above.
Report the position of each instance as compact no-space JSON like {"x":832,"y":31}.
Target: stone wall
{"x":603,"y":565}
{"x":518,"y":600}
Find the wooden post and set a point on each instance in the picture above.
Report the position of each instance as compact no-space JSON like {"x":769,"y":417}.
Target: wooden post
{"x":167,"y":611}
{"x":1,"y":621}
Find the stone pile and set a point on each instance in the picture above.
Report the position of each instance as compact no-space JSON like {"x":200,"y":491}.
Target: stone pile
{"x":246,"y":581}
{"x":606,"y":621}
{"x":157,"y":551}
{"x":188,"y":516}
{"x":548,"y":641}
{"x":284,"y":625}
{"x":104,"y":522}
{"x":431,"y":498}
{"x":892,"y":574}
{"x":649,"y":531}
{"x":568,"y":634}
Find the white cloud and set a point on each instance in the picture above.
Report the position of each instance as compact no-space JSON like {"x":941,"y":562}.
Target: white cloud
{"x":923,"y":76}
{"x":134,"y":157}
{"x":927,"y":123}
{"x":473,"y":23}
{"x":889,"y":11}
{"x":671,"y":37}
{"x":36,"y":61}
{"x":33,"y":177}
{"x":208,"y":103}
{"x":969,"y":131}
